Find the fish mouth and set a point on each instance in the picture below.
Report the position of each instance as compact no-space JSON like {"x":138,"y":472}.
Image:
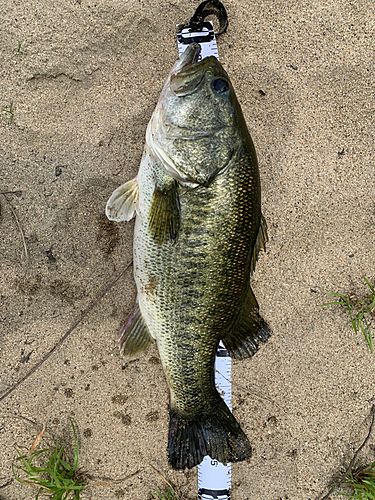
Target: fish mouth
{"x":188,"y":58}
{"x":188,"y":73}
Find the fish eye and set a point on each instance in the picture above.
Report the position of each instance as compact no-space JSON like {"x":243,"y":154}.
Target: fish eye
{"x":220,"y":86}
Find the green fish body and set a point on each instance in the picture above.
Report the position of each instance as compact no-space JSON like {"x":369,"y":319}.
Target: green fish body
{"x":197,"y":235}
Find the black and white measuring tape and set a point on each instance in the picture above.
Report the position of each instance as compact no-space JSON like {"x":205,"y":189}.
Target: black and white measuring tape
{"x":214,"y":478}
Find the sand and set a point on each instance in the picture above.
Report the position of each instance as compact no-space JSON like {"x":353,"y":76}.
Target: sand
{"x":84,"y":78}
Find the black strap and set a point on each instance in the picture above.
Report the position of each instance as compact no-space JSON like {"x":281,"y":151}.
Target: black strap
{"x":207,"y":8}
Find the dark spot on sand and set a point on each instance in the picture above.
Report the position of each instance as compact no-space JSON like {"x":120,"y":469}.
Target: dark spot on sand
{"x":25,"y":357}
{"x":154,"y":360}
{"x":272,"y":420}
{"x":51,"y":258}
{"x":66,"y":290}
{"x":69,"y":393}
{"x":240,"y":400}
{"x":59,"y":170}
{"x":120,"y":399}
{"x":30,"y":285}
{"x":119,"y":493}
{"x":87,"y":433}
{"x":129,"y":363}
{"x":125,"y":419}
{"x":108,"y":235}
{"x":153,"y":416}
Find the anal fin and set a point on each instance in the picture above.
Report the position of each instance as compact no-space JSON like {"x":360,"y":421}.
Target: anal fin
{"x":248,"y":330}
{"x":123,"y":202}
{"x":135,"y":337}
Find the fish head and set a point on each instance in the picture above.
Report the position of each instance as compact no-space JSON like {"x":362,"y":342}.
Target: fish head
{"x":196,"y":127}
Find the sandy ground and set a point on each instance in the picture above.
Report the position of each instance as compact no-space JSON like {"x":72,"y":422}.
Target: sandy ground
{"x":84,"y":81}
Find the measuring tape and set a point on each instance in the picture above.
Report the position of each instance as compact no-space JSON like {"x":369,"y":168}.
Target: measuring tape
{"x":214,"y":478}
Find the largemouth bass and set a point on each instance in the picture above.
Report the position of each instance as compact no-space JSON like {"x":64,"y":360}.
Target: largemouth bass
{"x":197,"y":236}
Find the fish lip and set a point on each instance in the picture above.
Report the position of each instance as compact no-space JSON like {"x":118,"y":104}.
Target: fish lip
{"x":188,"y":58}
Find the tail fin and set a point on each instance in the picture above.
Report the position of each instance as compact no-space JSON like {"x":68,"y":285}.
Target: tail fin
{"x":215,"y":433}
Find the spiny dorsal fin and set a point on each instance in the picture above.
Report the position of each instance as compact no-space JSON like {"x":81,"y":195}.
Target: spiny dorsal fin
{"x":135,"y":337}
{"x":164,"y":218}
{"x":248,"y":331}
{"x":123,"y":202}
{"x":260,"y":243}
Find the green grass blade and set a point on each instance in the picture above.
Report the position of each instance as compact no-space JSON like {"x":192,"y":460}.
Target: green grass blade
{"x":357,"y":311}
{"x":76,"y":450}
{"x":76,"y":457}
{"x":56,"y":475}
{"x":333,"y":304}
{"x":369,"y":284}
{"x":366,"y":332}
{"x":166,"y":495}
{"x":68,"y":468}
{"x":334,"y":294}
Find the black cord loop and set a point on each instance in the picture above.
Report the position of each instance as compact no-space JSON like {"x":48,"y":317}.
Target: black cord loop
{"x":207,"y":8}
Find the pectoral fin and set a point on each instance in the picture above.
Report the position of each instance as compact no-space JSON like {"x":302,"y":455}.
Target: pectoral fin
{"x":135,"y":337}
{"x":164,"y":218}
{"x":248,"y":330}
{"x":123,"y":203}
{"x":260,"y":243}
